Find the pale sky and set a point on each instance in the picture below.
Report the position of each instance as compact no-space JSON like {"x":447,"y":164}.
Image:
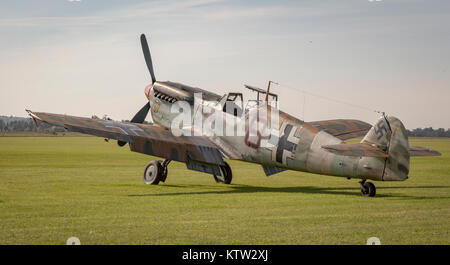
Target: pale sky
{"x":84,"y":57}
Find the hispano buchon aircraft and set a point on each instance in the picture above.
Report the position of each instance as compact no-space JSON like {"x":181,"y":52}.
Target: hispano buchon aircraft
{"x":288,"y":143}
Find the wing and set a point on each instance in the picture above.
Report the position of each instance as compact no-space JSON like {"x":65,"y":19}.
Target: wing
{"x":343,"y":129}
{"x":422,"y":151}
{"x":143,"y":138}
{"x":355,"y":149}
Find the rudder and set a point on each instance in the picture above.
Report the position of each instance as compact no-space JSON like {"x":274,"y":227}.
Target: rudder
{"x":389,"y":134}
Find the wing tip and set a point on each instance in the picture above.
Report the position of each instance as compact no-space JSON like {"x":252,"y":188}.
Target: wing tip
{"x":32,"y":114}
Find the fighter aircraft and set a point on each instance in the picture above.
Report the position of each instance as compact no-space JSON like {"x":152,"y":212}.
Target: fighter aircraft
{"x":289,"y":144}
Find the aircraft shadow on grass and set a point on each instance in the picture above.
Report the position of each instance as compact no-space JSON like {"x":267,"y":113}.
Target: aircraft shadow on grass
{"x":235,"y":189}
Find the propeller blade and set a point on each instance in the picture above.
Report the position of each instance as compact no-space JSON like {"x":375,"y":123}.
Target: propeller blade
{"x":138,"y":118}
{"x":148,"y":57}
{"x":142,"y":114}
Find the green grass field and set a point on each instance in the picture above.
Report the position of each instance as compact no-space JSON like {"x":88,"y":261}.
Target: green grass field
{"x":53,"y":188}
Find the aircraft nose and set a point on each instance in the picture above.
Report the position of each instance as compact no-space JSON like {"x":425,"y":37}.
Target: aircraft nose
{"x":147,"y":91}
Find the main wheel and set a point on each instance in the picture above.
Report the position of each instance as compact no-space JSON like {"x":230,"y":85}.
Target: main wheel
{"x":152,"y":173}
{"x":368,"y":189}
{"x":227,"y":174}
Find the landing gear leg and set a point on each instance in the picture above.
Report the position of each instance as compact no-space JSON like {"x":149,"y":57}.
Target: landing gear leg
{"x":227,"y":174}
{"x":164,"y":165}
{"x":367,"y":188}
{"x":155,"y":172}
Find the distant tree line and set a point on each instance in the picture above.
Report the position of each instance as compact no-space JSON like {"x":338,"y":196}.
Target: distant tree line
{"x":17,"y":124}
{"x":429,"y":132}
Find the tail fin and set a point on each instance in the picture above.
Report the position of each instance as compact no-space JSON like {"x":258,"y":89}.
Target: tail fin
{"x":389,"y":134}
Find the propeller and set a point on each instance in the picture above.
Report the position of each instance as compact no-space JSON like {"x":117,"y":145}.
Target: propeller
{"x":142,"y":113}
{"x":148,"y":57}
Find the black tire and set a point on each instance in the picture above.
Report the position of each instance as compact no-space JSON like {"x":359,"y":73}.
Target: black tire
{"x":152,"y":173}
{"x":368,"y":190}
{"x":228,"y":174}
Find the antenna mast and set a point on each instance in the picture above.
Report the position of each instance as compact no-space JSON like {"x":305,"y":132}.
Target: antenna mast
{"x":268,"y":90}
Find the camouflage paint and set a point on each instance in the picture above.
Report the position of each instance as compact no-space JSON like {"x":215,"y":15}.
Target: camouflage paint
{"x":315,"y":147}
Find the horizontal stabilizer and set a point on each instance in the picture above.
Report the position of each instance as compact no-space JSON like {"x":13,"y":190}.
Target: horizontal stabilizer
{"x":343,"y":129}
{"x":422,"y":151}
{"x":355,"y":149}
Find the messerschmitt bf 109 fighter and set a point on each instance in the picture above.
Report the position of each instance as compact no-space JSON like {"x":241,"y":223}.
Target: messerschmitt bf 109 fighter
{"x":257,"y":133}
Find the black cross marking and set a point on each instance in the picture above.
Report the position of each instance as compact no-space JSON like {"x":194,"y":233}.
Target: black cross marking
{"x":284,"y":144}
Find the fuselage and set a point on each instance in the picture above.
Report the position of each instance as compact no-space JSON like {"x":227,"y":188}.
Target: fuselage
{"x":290,"y":144}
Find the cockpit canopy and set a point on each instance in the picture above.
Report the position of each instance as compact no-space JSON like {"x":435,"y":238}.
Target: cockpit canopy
{"x":234,"y":104}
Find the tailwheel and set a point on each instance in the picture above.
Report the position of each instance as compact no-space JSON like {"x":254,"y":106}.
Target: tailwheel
{"x":227,"y":174}
{"x":155,"y":172}
{"x":367,"y":189}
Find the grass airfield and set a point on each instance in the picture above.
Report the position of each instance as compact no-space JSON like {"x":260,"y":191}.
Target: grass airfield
{"x":53,"y":188}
